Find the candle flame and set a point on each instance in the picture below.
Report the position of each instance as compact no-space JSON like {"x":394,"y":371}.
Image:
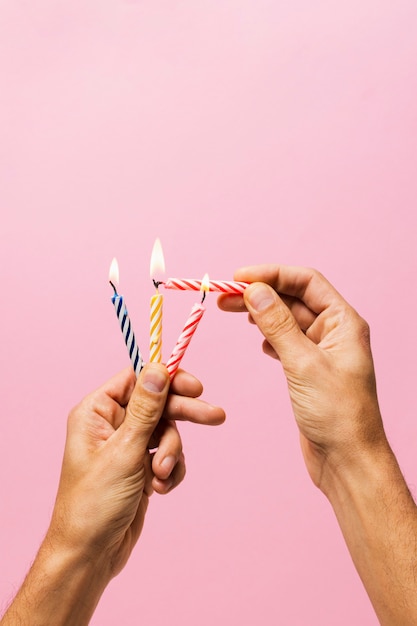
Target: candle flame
{"x":157,"y":261}
{"x":114,"y":272}
{"x":205,"y":283}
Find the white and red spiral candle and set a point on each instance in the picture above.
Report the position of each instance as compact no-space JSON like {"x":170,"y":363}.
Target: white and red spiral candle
{"x":124,"y":320}
{"x":192,"y":284}
{"x":157,"y":271}
{"x":188,"y":331}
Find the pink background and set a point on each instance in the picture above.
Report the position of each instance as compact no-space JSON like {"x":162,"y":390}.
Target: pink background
{"x":238,"y":131}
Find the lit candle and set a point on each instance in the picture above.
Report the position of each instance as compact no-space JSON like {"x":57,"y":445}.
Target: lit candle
{"x":191,"y":284}
{"x":188,"y":331}
{"x":124,"y":320}
{"x":157,"y":271}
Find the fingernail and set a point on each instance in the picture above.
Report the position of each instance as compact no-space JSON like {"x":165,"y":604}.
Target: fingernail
{"x":153,"y":379}
{"x":168,"y":464}
{"x":259,"y":297}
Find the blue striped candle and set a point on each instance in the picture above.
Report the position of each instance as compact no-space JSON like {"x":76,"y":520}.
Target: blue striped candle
{"x":124,"y":320}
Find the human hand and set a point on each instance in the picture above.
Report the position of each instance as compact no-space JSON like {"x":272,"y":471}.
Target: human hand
{"x":108,"y":473}
{"x":324,"y":348}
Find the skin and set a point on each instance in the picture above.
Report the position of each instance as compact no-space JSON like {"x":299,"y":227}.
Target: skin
{"x":108,"y":473}
{"x":108,"y":476}
{"x":324,"y":349}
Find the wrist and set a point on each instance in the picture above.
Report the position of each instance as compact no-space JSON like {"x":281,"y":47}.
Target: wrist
{"x":378,"y":518}
{"x":72,"y":557}
{"x":360,"y":473}
{"x":63,"y":588}
{"x":68,"y":583}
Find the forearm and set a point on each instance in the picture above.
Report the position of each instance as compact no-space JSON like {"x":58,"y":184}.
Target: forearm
{"x":378,"y":518}
{"x":61,"y":588}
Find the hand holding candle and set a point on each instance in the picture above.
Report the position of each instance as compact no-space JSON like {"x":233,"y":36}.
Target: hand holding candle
{"x":188,"y":331}
{"x":157,"y":270}
{"x":124,"y":320}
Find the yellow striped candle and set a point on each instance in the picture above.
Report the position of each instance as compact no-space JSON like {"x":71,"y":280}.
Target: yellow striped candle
{"x":157,"y":270}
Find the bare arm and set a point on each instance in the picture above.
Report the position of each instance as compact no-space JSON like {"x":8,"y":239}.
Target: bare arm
{"x":61,"y":588}
{"x":378,"y":518}
{"x":108,"y":476}
{"x":324,"y":349}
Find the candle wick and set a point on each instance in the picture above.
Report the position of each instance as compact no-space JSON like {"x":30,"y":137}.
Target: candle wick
{"x":157,"y":283}
{"x":204,"y":296}
{"x":115,"y":290}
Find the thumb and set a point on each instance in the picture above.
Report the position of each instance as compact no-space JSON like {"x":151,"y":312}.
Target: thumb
{"x":146,"y":406}
{"x":276,"y":322}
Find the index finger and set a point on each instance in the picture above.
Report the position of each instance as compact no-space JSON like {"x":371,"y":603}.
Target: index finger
{"x":304,"y":283}
{"x":120,"y":386}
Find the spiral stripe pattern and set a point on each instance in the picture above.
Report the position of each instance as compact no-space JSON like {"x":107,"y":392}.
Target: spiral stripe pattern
{"x":192,"y":284}
{"x":156,"y":329}
{"x":184,"y":339}
{"x":128,"y":334}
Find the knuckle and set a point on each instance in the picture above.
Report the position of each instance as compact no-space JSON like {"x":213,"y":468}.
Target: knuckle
{"x":278,"y":323}
{"x":177,"y":407}
{"x":313,"y":275}
{"x":364,"y":332}
{"x":313,"y":271}
{"x":145,"y":409}
{"x":361,"y":329}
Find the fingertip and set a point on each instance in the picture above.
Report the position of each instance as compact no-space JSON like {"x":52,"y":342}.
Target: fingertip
{"x":222,"y":301}
{"x":164,"y":468}
{"x":231,"y":303}
{"x":154,"y":377}
{"x":259,"y":296}
{"x":162,"y":486}
{"x":129,"y":376}
{"x":185,"y":383}
{"x":216,"y":415}
{"x":120,"y":386}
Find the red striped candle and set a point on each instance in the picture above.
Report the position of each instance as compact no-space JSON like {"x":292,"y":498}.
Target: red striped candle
{"x":188,"y":331}
{"x":191,"y":284}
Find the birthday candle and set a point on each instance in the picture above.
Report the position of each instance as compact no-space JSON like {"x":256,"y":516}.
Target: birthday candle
{"x":157,"y":268}
{"x":124,"y":320}
{"x":155,"y":347}
{"x":188,"y":331}
{"x":191,"y":284}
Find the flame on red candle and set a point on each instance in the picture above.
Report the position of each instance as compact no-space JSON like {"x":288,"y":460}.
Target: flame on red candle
{"x":114,"y":272}
{"x":205,"y":283}
{"x":157,"y":261}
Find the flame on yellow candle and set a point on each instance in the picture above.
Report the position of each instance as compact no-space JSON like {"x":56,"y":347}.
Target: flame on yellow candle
{"x":157,"y":261}
{"x":114,"y":272}
{"x":205,"y":283}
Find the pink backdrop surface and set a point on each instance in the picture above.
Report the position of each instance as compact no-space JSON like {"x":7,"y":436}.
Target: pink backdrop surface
{"x":238,"y":132}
